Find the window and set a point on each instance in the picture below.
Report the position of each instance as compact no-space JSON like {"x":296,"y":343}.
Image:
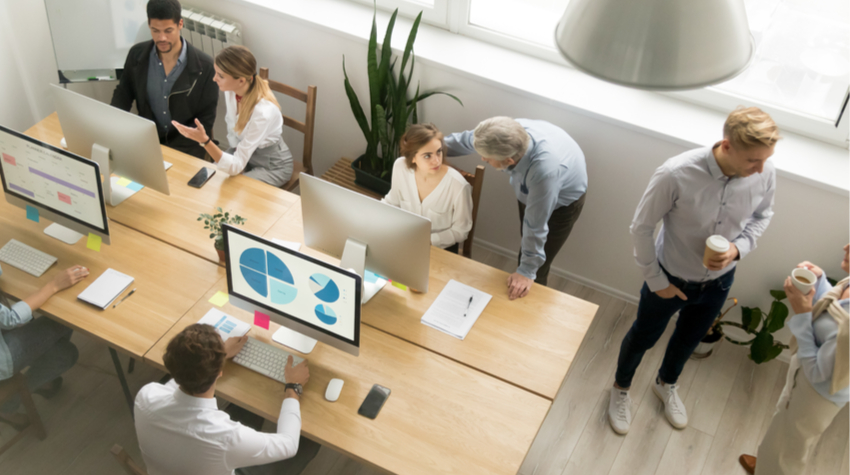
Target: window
{"x":433,"y":11}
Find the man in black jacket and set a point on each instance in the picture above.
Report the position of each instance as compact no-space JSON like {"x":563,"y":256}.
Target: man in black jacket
{"x":169,"y":79}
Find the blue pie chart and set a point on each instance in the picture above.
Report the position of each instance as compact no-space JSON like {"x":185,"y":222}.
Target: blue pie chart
{"x":324,"y":288}
{"x":325,"y":314}
{"x":268,"y":275}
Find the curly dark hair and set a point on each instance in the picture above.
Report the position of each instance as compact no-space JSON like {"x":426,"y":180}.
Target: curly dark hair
{"x":195,"y":358}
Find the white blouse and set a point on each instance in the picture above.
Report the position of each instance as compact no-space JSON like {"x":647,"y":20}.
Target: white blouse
{"x":263,"y":129}
{"x":449,"y":206}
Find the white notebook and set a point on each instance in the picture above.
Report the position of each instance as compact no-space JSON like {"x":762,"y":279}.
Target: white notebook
{"x":456,"y":309}
{"x":106,"y":288}
{"x":224,"y":324}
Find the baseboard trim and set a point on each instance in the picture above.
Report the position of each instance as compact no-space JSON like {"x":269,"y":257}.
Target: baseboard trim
{"x":561,"y":273}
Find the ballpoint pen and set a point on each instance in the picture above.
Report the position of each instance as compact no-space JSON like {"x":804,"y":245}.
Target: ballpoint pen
{"x":125,"y":298}
{"x":467,"y":306}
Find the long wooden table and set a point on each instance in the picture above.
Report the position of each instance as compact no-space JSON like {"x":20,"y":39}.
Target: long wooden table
{"x":173,"y":218}
{"x":529,"y":342}
{"x":442,"y":417}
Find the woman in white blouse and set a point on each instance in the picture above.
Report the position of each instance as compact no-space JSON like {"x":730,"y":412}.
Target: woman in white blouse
{"x":423,"y":184}
{"x":253,"y":119}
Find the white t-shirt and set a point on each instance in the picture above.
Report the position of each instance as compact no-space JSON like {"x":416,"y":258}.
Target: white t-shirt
{"x":264,"y":128}
{"x":449,"y":206}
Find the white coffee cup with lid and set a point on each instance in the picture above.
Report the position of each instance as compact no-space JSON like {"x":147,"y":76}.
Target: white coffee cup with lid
{"x":803,"y":279}
{"x":714,"y":245}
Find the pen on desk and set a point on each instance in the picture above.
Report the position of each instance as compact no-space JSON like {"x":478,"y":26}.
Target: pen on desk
{"x":467,"y":306}
{"x":125,"y":298}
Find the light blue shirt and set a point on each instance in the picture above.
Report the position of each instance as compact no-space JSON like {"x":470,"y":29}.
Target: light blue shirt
{"x":816,"y":343}
{"x":10,"y":318}
{"x":160,"y":85}
{"x":695,"y":200}
{"x":551,"y":174}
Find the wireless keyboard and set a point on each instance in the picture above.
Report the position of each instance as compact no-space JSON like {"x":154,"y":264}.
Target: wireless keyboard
{"x":265,"y":359}
{"x":26,"y":258}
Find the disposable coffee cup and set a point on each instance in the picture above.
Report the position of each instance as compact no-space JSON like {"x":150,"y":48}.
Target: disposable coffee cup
{"x":714,"y":245}
{"x":803,"y":279}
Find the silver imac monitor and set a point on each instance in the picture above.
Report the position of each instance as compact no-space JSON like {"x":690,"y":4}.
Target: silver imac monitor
{"x":366,"y":234}
{"x":122,"y":143}
{"x":61,"y":186}
{"x":311,"y":300}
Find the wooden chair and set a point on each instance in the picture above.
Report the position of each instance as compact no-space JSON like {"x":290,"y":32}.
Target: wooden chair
{"x":306,"y":127}
{"x":477,"y":182}
{"x":126,"y":461}
{"x":17,"y":384}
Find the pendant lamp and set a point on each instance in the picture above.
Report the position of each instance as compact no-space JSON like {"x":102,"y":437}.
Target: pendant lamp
{"x":657,"y":44}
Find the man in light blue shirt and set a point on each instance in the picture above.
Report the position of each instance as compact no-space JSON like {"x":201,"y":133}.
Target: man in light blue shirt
{"x":725,"y":190}
{"x":549,"y":177}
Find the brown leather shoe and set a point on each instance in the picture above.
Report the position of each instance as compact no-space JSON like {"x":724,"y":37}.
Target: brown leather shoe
{"x":748,"y":462}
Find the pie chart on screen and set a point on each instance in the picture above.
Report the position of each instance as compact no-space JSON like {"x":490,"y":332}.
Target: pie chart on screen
{"x":324,"y":288}
{"x":268,"y":276}
{"x":325,"y":314}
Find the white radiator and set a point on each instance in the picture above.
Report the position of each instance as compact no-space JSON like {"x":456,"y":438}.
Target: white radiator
{"x":210,"y":33}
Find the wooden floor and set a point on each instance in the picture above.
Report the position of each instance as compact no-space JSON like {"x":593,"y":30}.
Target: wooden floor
{"x":729,"y":399}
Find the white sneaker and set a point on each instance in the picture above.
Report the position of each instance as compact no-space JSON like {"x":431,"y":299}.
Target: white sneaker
{"x":620,"y":411}
{"x":674,"y":408}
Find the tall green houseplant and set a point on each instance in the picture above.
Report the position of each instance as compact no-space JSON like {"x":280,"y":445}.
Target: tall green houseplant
{"x":390,"y":107}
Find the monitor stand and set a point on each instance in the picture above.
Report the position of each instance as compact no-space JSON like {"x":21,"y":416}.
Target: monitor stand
{"x":113,"y":194}
{"x":68,"y":236}
{"x":292,"y":339}
{"x":354,"y":257}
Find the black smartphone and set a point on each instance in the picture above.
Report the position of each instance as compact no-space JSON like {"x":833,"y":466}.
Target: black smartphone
{"x":374,"y":401}
{"x":203,"y":175}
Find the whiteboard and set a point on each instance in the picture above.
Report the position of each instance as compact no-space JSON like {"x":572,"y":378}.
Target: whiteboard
{"x":95,"y":35}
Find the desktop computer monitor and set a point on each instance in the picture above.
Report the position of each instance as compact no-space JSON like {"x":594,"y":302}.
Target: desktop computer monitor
{"x":122,"y":143}
{"x":310,"y":299}
{"x":366,"y":234}
{"x":63,"y":187}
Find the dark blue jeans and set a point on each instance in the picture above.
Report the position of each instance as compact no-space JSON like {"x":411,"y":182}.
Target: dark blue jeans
{"x":705,"y":300}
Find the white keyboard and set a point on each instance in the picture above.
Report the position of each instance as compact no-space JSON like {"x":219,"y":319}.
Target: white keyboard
{"x":265,"y":359}
{"x":26,"y":258}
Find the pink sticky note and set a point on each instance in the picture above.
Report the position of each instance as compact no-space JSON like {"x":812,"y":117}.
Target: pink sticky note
{"x":261,"y":319}
{"x":64,"y":197}
{"x":9,"y":159}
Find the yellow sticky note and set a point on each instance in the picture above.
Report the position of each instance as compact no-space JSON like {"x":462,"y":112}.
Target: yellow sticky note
{"x":94,"y":242}
{"x":401,"y":286}
{"x":219,"y":299}
{"x":123,"y":182}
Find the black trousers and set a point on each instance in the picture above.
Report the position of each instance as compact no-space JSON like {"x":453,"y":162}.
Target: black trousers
{"x":560,"y":225}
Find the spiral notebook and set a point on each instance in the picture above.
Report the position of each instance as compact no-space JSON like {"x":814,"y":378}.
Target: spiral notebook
{"x":106,"y":288}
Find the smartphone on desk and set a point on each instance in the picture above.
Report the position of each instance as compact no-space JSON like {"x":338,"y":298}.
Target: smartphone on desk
{"x":200,"y":178}
{"x":374,"y":401}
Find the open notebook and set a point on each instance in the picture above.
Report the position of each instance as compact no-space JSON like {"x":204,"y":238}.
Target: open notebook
{"x":106,"y":288}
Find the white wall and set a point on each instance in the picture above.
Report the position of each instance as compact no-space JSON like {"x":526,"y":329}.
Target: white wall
{"x":809,"y":224}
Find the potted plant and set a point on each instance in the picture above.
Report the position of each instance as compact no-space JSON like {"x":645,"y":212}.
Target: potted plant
{"x":755,"y":322}
{"x":213,"y":222}
{"x":390,"y":107}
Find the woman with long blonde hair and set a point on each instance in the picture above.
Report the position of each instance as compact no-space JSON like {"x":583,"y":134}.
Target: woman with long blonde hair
{"x":254,"y":123}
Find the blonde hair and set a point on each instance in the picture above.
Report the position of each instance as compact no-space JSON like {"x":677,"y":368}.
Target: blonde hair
{"x":500,"y":138}
{"x":416,"y":137}
{"x":750,"y":127}
{"x":238,"y":62}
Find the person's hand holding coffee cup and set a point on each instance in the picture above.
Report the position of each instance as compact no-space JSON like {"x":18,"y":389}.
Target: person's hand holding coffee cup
{"x":800,"y":302}
{"x":719,"y":253}
{"x":804,"y":279}
{"x":808,"y":265}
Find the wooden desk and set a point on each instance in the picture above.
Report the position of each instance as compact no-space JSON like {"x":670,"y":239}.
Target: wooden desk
{"x":173,"y":218}
{"x":442,"y":417}
{"x":529,"y":342}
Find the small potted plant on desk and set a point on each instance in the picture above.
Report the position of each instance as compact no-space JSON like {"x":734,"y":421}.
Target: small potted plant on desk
{"x":755,"y":322}
{"x":213,"y":222}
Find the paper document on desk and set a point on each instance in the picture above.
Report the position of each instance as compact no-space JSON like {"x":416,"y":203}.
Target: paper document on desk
{"x":106,"y":288}
{"x":224,"y":324}
{"x":453,"y":312}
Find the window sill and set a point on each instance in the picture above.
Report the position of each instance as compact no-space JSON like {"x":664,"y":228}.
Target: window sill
{"x":797,"y":157}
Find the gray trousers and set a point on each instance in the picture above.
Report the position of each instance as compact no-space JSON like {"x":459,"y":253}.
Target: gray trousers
{"x":272,"y":165}
{"x":560,"y":225}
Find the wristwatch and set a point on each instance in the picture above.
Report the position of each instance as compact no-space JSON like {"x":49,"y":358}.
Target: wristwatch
{"x":295,"y":387}
{"x":204,"y":144}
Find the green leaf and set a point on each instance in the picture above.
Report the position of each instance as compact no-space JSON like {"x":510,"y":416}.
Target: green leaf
{"x":408,"y":49}
{"x":381,"y":124}
{"x":428,"y":94}
{"x":761,"y":347}
{"x":777,"y":316}
{"x":218,"y":208}
{"x":778,"y":294}
{"x":747,"y":318}
{"x":385,"y":65}
{"x":831,"y":281}
{"x":772,"y":353}
{"x":357,"y":110}
{"x":212,"y":235}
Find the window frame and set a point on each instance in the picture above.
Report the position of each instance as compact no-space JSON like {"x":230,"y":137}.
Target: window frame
{"x":436,"y":15}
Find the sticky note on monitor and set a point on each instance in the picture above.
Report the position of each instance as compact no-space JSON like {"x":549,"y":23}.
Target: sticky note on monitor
{"x":93,"y":242}
{"x":135,"y":186}
{"x":401,"y":286}
{"x":32,"y":213}
{"x":220,"y":298}
{"x":261,"y":319}
{"x":123,"y":182}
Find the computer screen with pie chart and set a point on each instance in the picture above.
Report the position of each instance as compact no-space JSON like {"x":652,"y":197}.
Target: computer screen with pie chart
{"x":296,"y":291}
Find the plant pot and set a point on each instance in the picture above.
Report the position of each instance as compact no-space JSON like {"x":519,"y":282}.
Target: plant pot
{"x":365,"y":177}
{"x":220,"y":254}
{"x":707,"y":345}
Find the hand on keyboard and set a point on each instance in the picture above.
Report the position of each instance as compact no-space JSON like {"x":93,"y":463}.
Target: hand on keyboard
{"x":68,"y":277}
{"x":296,"y":374}
{"x":234,"y":345}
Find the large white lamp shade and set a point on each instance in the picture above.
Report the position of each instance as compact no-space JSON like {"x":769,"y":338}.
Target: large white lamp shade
{"x":657,"y":44}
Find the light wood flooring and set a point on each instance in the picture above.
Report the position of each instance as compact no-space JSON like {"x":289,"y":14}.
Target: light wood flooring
{"x":730,"y":402}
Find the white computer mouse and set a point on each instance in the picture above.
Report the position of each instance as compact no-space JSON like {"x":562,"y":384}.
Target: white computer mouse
{"x":63,"y":143}
{"x":334,"y":388}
